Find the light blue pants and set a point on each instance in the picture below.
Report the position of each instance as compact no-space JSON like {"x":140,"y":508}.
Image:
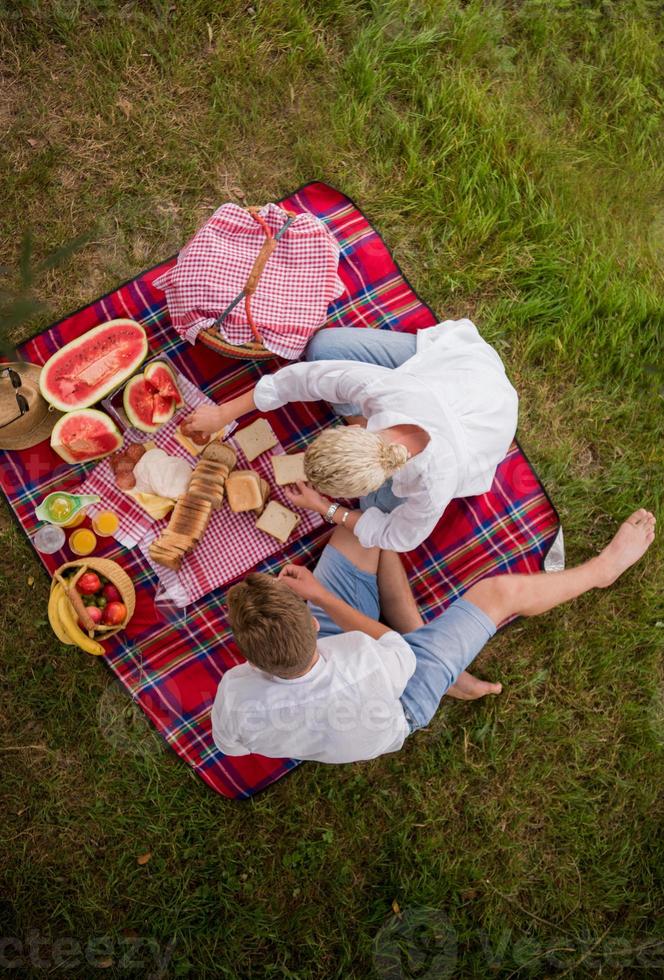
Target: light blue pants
{"x":386,"y":348}
{"x":443,"y":648}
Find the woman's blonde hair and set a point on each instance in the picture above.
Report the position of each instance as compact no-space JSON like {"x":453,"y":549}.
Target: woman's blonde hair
{"x":350,"y":461}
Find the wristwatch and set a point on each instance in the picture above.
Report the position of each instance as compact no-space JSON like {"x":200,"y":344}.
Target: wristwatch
{"x":330,"y":512}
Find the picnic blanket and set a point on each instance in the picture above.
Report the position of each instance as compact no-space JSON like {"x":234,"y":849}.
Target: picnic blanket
{"x":171,"y":668}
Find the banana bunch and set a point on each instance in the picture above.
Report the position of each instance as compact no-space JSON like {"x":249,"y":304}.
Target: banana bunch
{"x":63,"y":622}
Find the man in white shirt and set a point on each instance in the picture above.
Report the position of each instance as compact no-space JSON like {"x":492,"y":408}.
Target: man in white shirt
{"x":328,"y":682}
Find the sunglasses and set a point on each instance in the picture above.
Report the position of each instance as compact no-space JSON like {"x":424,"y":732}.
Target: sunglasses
{"x":21,"y":400}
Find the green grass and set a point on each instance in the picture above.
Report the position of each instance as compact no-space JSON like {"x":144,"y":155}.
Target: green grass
{"x":511,"y":154}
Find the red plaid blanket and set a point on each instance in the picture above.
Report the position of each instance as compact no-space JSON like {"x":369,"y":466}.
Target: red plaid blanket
{"x":172,"y":669}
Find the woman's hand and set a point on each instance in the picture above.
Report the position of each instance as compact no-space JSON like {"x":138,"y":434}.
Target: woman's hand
{"x":208,"y":419}
{"x":302,"y":582}
{"x":308,"y":498}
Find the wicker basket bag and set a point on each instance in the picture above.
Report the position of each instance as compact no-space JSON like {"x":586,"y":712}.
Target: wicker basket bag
{"x":115,"y":575}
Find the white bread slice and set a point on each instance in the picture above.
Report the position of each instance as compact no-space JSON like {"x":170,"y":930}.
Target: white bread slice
{"x":278,"y":521}
{"x":243,"y":491}
{"x":265,"y":493}
{"x":288,"y":469}
{"x":256,"y":438}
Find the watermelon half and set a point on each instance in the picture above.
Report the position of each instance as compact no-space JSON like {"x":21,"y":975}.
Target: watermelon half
{"x":160,"y":375}
{"x":85,"y":370}
{"x":138,"y":400}
{"x":86,"y":434}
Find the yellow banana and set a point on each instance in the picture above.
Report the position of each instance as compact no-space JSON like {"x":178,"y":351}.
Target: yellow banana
{"x":54,"y":617}
{"x":76,"y":634}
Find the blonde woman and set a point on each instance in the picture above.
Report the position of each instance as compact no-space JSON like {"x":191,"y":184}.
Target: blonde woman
{"x":431,"y":419}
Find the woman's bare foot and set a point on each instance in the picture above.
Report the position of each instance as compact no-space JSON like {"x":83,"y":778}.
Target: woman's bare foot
{"x":630,"y":543}
{"x":469,"y":688}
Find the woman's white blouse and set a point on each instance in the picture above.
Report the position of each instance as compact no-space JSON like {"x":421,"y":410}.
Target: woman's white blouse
{"x":454,"y":387}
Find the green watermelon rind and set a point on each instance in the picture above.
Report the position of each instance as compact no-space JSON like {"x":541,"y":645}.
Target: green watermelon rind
{"x":103,"y":390}
{"x":99,"y":417}
{"x":134,"y":419}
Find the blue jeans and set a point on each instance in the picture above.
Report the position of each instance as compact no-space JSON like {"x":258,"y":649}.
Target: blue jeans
{"x":386,"y":348}
{"x":443,"y":648}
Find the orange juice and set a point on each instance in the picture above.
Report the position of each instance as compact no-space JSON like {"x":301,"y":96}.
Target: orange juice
{"x":82,"y":541}
{"x":105,"y":523}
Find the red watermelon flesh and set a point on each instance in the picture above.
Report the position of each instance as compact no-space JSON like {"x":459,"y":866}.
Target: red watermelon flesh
{"x":160,"y":375}
{"x":138,"y":401}
{"x":84,"y":435}
{"x":163,"y":410}
{"x":85,"y":370}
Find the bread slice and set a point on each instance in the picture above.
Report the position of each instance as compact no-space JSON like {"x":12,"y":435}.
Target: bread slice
{"x":243,"y":490}
{"x":219,"y":452}
{"x":213,"y":495}
{"x":265,"y":493}
{"x":163,"y":556}
{"x":278,"y":521}
{"x":256,"y":438}
{"x":288,"y":468}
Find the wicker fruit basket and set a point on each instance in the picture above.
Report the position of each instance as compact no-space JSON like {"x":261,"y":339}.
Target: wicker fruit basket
{"x":115,"y":575}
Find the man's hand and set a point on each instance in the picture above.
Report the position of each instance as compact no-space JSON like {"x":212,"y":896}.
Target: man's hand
{"x":308,"y":498}
{"x":302,"y":582}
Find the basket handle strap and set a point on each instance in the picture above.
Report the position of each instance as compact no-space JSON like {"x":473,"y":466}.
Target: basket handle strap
{"x":261,"y":260}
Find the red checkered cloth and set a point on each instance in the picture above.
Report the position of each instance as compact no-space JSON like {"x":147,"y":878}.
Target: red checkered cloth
{"x":231,"y":545}
{"x":291,"y":300}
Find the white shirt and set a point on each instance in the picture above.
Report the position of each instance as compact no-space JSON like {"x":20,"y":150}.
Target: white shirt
{"x":344,"y":709}
{"x":454,"y":387}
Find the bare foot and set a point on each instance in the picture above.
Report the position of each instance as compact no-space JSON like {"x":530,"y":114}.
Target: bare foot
{"x":469,"y":688}
{"x":630,"y":543}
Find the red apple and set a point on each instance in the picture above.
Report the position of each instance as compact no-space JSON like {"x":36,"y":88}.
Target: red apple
{"x":95,"y":614}
{"x":89,"y":583}
{"x":111,"y":594}
{"x":115,"y":613}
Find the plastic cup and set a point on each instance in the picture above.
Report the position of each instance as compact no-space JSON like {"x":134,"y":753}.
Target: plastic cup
{"x":105,"y":523}
{"x":82,"y":541}
{"x":49,"y":539}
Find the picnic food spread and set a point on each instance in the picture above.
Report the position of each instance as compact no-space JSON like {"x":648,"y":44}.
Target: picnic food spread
{"x":85,"y":605}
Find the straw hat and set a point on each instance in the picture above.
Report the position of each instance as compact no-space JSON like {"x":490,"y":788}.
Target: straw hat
{"x":26,"y":418}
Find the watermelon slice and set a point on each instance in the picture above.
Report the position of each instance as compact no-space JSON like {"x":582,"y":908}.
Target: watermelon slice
{"x":162,"y":378}
{"x":138,"y":400}
{"x":85,"y":370}
{"x":84,"y":435}
{"x":163,"y":410}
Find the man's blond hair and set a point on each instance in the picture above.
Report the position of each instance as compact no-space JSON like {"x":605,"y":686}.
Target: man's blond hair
{"x":350,"y":461}
{"x":272,"y":625}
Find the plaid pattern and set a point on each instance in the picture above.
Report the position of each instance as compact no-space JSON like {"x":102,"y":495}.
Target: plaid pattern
{"x":172,"y":669}
{"x":293,"y":293}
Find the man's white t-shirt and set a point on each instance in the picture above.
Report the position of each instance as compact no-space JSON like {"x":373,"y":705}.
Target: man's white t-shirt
{"x":346,"y":708}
